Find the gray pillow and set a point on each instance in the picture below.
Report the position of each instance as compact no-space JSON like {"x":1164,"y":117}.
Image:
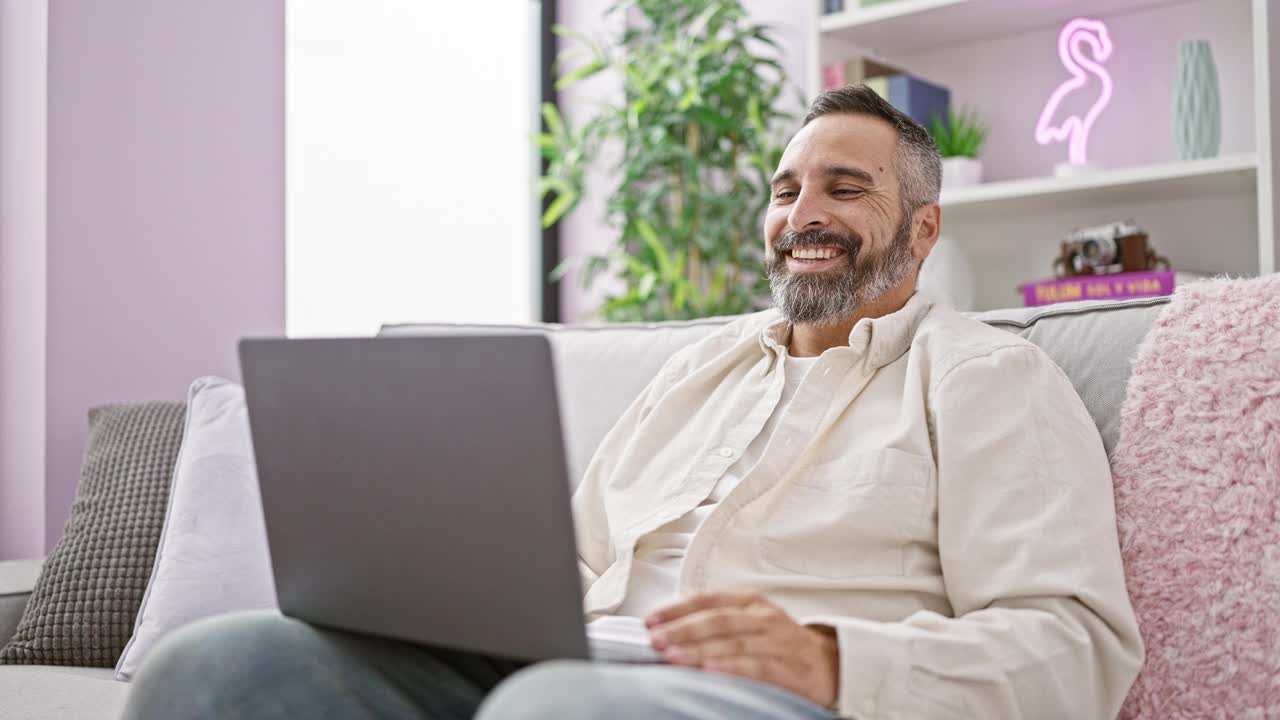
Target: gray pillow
{"x":82,"y":609}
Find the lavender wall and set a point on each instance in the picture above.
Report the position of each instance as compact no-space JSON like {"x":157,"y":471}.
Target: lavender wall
{"x":22,"y":276}
{"x":165,"y":204}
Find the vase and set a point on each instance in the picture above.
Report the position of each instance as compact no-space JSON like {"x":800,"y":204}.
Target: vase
{"x":1197,"y":110}
{"x":958,"y":172}
{"x":947,"y":276}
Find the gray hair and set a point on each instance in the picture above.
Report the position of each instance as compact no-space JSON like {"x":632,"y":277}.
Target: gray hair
{"x":917,"y":161}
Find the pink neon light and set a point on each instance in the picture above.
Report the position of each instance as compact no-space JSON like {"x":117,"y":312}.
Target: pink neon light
{"x":1074,"y":34}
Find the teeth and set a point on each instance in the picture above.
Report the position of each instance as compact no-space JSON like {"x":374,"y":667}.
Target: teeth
{"x":814,"y":253}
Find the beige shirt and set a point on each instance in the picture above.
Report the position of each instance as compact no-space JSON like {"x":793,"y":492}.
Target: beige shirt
{"x":659,"y":555}
{"x":936,"y":492}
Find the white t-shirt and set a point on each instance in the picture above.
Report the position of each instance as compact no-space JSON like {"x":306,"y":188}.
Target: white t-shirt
{"x":655,"y":576}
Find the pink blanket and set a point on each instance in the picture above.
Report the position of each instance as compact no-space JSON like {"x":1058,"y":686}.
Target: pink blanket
{"x":1197,"y":480}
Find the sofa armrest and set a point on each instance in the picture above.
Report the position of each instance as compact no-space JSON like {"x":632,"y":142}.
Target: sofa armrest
{"x":17,"y":580}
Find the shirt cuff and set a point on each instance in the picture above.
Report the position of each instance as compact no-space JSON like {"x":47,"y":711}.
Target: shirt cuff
{"x":875,"y":662}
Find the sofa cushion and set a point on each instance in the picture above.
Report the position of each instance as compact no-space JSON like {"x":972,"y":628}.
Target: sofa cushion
{"x":17,"y":577}
{"x":600,"y":369}
{"x":1094,"y":342}
{"x":213,"y":555}
{"x":35,"y":692}
{"x":82,"y":609}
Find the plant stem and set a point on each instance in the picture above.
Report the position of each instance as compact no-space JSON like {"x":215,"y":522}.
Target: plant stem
{"x":692,"y":139}
{"x":735,"y":237}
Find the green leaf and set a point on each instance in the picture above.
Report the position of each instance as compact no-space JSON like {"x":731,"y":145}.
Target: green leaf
{"x":585,"y":71}
{"x":551,"y":118}
{"x":959,"y":134}
{"x":680,"y":295}
{"x":660,"y":255}
{"x":707,"y":116}
{"x":565,"y":31}
{"x":688,"y":99}
{"x":561,"y":269}
{"x":563,"y":203}
{"x":646,"y":285}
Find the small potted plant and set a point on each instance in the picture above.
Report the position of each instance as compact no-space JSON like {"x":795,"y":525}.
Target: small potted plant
{"x":959,"y":138}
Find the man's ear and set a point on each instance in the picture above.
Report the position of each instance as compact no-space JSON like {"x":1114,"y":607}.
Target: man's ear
{"x":926,"y":224}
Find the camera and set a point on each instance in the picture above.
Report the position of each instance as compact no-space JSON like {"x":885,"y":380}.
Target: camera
{"x":1105,"y":249}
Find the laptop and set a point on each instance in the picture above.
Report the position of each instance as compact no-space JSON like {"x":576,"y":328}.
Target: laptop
{"x":416,"y":488}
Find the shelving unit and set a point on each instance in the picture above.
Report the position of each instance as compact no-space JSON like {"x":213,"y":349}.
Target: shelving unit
{"x":1148,"y":183}
{"x":1215,"y":216}
{"x":907,"y":26}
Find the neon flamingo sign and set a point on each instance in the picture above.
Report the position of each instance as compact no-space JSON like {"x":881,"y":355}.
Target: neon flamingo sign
{"x":1075,"y":130}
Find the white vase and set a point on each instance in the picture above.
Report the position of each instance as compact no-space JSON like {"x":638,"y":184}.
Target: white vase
{"x":946,"y":276}
{"x":958,"y":172}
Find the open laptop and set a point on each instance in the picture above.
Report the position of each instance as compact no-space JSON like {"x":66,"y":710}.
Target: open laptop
{"x":416,"y":488}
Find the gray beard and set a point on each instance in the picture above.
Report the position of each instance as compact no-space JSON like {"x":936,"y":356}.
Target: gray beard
{"x":825,"y":299}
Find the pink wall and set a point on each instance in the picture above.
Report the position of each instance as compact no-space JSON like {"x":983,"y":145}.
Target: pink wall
{"x":165,"y":204}
{"x":1137,"y":127}
{"x":22,"y":276}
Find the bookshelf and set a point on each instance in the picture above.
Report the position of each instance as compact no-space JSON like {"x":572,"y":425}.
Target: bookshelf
{"x":999,"y":57}
{"x":910,"y":25}
{"x":1147,"y":183}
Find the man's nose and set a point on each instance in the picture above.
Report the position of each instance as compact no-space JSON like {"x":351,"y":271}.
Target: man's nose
{"x":807,"y":213}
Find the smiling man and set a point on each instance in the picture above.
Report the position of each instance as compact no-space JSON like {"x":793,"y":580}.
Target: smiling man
{"x":856,"y":503}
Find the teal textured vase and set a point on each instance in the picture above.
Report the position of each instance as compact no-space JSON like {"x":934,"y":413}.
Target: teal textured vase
{"x":1197,"y":110}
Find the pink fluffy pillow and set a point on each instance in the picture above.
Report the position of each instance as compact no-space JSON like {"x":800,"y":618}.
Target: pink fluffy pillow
{"x":1197,"y":479}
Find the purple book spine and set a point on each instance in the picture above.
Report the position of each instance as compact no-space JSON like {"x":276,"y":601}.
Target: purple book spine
{"x":1099,"y":287}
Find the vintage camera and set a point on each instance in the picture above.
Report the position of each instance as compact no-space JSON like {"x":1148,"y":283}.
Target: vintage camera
{"x":1105,"y":249}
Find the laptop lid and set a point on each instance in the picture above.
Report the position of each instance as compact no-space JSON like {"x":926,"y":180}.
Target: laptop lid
{"x":416,"y":488}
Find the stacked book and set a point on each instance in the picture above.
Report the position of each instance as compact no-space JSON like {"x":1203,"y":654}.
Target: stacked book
{"x":1116,"y":286}
{"x":920,"y":99}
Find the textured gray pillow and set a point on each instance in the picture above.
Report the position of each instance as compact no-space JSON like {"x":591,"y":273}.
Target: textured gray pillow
{"x":82,"y":609}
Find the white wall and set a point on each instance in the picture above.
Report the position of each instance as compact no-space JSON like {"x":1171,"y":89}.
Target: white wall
{"x":409,"y":165}
{"x":23,"y":57}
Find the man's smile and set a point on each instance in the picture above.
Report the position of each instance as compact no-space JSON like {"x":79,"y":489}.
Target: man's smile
{"x":814,"y":259}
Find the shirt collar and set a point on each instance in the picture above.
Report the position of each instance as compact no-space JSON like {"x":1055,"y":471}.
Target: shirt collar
{"x":879,"y":340}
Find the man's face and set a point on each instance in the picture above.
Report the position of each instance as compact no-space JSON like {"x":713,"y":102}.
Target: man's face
{"x":836,"y":196}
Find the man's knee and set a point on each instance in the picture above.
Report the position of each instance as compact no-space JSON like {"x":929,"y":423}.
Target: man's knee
{"x":569,"y":690}
{"x":209,"y":662}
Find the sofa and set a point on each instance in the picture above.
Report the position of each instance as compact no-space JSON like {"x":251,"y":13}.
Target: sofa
{"x":600,"y":369}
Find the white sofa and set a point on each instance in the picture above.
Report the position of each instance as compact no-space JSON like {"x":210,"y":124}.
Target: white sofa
{"x":600,"y":369}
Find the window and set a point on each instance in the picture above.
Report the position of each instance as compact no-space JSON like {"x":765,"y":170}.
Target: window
{"x":410,"y":169}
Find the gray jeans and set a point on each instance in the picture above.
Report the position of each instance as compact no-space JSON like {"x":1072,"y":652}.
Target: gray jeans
{"x":261,"y":665}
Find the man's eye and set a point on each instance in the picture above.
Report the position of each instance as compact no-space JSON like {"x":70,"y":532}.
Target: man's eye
{"x":784,"y":194}
{"x":848,"y":191}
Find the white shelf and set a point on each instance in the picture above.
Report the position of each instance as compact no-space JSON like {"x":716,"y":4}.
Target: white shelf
{"x":1136,"y":185}
{"x":902,"y":26}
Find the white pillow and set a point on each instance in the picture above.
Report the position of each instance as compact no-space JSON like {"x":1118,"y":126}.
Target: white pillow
{"x":213,"y":555}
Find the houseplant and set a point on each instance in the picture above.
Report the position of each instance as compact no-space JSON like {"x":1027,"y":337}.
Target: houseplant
{"x":696,"y":132}
{"x":959,"y":138}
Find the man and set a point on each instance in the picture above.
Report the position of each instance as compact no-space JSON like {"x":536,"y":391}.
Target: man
{"x":857,"y":503}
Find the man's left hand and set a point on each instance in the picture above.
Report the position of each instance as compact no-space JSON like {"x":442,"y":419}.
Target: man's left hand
{"x":744,"y":634}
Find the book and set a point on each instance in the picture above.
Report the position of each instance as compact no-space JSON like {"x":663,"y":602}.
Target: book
{"x":1117,"y":286}
{"x":855,"y":70}
{"x":920,"y":100}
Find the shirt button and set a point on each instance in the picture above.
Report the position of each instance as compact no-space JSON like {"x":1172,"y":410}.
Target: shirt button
{"x":726,"y":452}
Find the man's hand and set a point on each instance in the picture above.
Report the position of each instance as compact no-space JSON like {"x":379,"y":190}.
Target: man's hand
{"x":744,"y":634}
